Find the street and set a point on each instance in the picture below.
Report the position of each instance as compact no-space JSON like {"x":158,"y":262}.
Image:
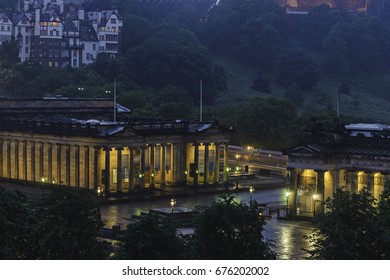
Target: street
{"x":287,"y":235}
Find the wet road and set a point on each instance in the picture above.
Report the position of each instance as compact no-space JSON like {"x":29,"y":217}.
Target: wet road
{"x":287,"y":235}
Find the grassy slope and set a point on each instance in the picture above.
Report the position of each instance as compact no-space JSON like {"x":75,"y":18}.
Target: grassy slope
{"x":366,"y":101}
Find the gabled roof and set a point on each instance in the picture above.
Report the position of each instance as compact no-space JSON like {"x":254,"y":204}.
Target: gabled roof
{"x":69,"y":26}
{"x":18,"y":17}
{"x":87,"y":32}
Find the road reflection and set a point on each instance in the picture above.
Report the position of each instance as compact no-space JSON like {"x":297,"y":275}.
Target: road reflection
{"x":287,"y":235}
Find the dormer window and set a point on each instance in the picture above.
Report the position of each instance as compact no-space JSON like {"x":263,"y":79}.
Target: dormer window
{"x":113,"y":20}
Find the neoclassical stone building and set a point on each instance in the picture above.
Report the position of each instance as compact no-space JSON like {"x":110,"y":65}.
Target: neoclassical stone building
{"x":350,"y":157}
{"x":71,"y":142}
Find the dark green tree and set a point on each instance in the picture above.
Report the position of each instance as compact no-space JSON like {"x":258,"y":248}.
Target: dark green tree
{"x":231,"y":230}
{"x":269,"y":123}
{"x":295,"y":94}
{"x":70,"y":222}
{"x":153,"y":239}
{"x":297,"y":67}
{"x":384,"y":222}
{"x":348,"y":230}
{"x":18,"y":231}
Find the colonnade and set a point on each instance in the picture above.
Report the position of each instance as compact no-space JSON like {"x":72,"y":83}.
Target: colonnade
{"x":113,"y":168}
{"x":308,"y":186}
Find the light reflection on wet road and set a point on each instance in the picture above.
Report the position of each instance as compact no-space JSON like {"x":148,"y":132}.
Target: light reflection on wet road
{"x":287,"y":235}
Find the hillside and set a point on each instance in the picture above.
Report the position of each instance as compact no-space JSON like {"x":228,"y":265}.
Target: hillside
{"x":367,"y":99}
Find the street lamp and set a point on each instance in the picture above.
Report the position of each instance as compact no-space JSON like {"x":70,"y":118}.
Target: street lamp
{"x":185,"y":181}
{"x":315,"y":196}
{"x":152,"y":175}
{"x":251,"y":190}
{"x":173,"y":203}
{"x":287,"y":195}
{"x":237,"y":169}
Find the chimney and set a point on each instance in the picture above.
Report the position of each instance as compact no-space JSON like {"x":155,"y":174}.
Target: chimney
{"x":37,"y":20}
{"x":26,"y":5}
{"x":81,"y":14}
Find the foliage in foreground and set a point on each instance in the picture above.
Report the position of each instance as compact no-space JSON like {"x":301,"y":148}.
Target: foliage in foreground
{"x":225,"y":230}
{"x":63,"y":225}
{"x":231,"y":230}
{"x":354,"y":227}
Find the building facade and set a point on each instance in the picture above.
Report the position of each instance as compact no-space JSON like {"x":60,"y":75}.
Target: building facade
{"x":58,"y":33}
{"x":349,"y":157}
{"x":104,"y":156}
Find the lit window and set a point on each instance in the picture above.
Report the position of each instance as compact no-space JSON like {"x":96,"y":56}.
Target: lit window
{"x":54,"y":23}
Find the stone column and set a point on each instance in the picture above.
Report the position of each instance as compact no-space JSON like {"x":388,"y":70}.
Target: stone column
{"x":119,"y":170}
{"x":96,"y":157}
{"x":17,"y":159}
{"x":196,"y":165}
{"x":49,"y":163}
{"x":206,"y":163}
{"x":86,"y":167}
{"x":131,"y":170}
{"x":77,"y":166}
{"x":292,"y":198}
{"x":320,"y":191}
{"x":67,"y":160}
{"x":9,"y":167}
{"x":151,"y":162}
{"x":225,"y":164}
{"x":163,"y":165}
{"x":33,"y":178}
{"x":59,"y":177}
{"x":216,"y":164}
{"x":107,"y":171}
{"x":25,"y":174}
{"x":41,"y":161}
{"x":142,"y":168}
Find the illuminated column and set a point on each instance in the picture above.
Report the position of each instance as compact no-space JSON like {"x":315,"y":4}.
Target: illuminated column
{"x":24,"y":160}
{"x":362,"y":180}
{"x":67,"y":165}
{"x":16,"y":159}
{"x":9,"y":158}
{"x":32,"y":162}
{"x":151,"y":163}
{"x":131,"y":171}
{"x":142,"y":168}
{"x":206,"y":163}
{"x":86,"y":167}
{"x":96,"y":157}
{"x":216,"y":164}
{"x":77,"y":165}
{"x":196,"y":165}
{"x":49,"y":162}
{"x":41,"y":161}
{"x":378,"y":185}
{"x":163,"y":165}
{"x":107,"y":171}
{"x":320,"y":190}
{"x":225,"y":164}
{"x":119,"y":170}
{"x":59,"y":177}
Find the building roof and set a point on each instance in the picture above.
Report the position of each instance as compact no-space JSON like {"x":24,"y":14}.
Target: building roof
{"x":354,"y":139}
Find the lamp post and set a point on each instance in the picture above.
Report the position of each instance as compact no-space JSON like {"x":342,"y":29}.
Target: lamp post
{"x":185,"y":181}
{"x":173,"y":203}
{"x":237,"y":169}
{"x":251,"y":190}
{"x":287,"y":195}
{"x":152,"y":184}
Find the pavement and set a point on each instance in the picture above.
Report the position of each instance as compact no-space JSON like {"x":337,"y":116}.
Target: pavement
{"x":258,"y":182}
